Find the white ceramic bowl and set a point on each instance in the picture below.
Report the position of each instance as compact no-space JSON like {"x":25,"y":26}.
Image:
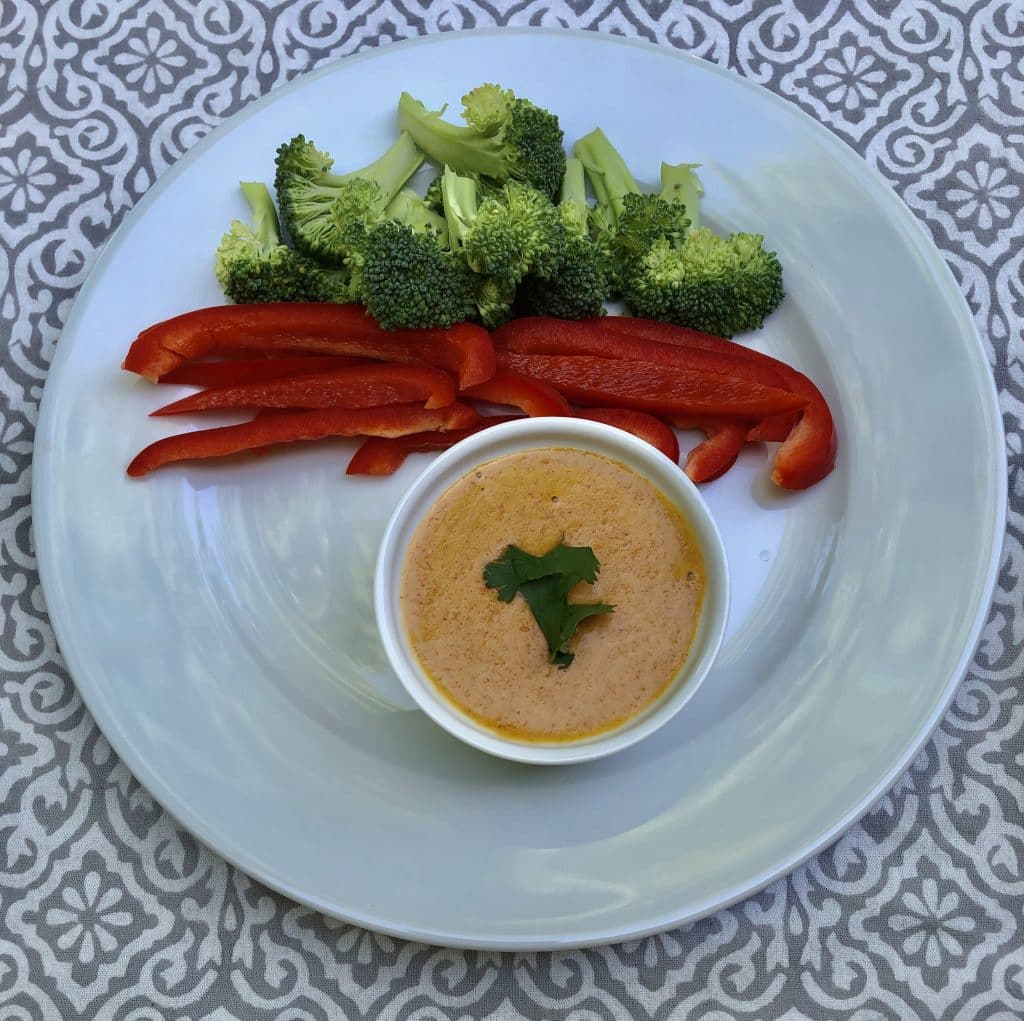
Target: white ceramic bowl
{"x":531,"y":434}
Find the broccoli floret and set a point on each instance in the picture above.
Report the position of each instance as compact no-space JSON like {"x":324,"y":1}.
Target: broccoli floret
{"x":504,"y":137}
{"x":721,"y":285}
{"x":492,"y":296}
{"x":533,"y":223}
{"x":518,"y":231}
{"x":624,"y":223}
{"x":666,"y":266}
{"x":252,"y":265}
{"x":411,"y":281}
{"x":326,"y":214}
{"x":644,"y":221}
{"x":580,"y":286}
{"x":502,"y":239}
{"x":718,"y":285}
{"x":409,"y":278}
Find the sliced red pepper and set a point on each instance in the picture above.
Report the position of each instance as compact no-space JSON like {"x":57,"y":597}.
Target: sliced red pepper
{"x":717,"y":453}
{"x":255,"y":370}
{"x":773,"y":428}
{"x":384,"y":456}
{"x":529,"y":395}
{"x":360,"y":386}
{"x":640,"y":424}
{"x":289,"y":427}
{"x":808,"y":452}
{"x":645,"y":386}
{"x":542,"y":335}
{"x":682,"y":336}
{"x":314,"y":327}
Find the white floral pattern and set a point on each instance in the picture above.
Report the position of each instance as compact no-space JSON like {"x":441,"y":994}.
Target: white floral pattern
{"x":984,"y":194}
{"x":24,"y":178}
{"x":109,"y":912}
{"x":150,"y":60}
{"x":89,"y":920}
{"x":932,"y":924}
{"x":850,"y":78}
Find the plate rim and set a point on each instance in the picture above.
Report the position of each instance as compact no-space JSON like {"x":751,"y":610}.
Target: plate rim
{"x":939,"y":271}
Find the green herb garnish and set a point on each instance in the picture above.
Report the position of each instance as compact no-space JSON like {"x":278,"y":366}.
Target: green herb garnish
{"x":545,"y":583}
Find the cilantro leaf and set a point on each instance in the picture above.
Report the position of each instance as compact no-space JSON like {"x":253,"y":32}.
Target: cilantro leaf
{"x":556,"y":618}
{"x":515,"y":567}
{"x":545,"y":582}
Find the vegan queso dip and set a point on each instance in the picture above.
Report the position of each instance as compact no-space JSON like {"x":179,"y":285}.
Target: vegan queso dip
{"x":489,"y":658}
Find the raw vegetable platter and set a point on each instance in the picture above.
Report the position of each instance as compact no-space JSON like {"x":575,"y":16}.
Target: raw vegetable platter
{"x":218,"y":619}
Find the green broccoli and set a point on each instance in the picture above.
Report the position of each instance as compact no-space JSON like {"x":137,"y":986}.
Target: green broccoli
{"x":502,"y":239}
{"x":666,"y":266}
{"x":572,"y":200}
{"x":252,"y":265}
{"x":410,"y":208}
{"x":718,"y":285}
{"x":607,"y":173}
{"x":460,"y":205}
{"x":721,"y":285}
{"x":624,"y":222}
{"x":492,"y":297}
{"x":433,"y":197}
{"x":410,"y":280}
{"x":326,"y":214}
{"x":504,"y":138}
{"x":516,"y":232}
{"x":680,"y":183}
{"x":580,"y":286}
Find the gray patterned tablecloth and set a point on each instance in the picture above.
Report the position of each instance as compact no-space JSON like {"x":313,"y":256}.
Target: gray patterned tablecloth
{"x":107,"y":910}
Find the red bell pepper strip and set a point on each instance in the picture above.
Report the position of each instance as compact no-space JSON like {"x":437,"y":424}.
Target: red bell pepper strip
{"x":384,"y":456}
{"x":683,"y":336}
{"x":288,"y":427}
{"x":717,"y":453}
{"x":640,"y":424}
{"x":773,"y":428}
{"x":645,"y":386}
{"x":313,"y":327}
{"x":808,"y":452}
{"x":379,"y":456}
{"x":542,"y":335}
{"x":529,"y":395}
{"x":360,"y":386}
{"x":255,"y":370}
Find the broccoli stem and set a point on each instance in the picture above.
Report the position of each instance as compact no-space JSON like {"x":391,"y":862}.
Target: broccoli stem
{"x":460,"y":205}
{"x":574,"y":183}
{"x":447,"y":143}
{"x":264,"y":216}
{"x":392,"y":169}
{"x":409,"y":208}
{"x":680,"y":183}
{"x":606,"y":170}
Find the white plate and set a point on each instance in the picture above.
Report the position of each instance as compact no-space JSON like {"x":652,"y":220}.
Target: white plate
{"x":218,"y":619}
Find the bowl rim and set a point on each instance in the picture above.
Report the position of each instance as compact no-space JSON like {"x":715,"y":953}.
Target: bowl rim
{"x":532,"y":434}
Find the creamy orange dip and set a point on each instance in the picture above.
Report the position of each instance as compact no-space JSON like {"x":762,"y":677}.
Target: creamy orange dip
{"x":489,"y":658}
